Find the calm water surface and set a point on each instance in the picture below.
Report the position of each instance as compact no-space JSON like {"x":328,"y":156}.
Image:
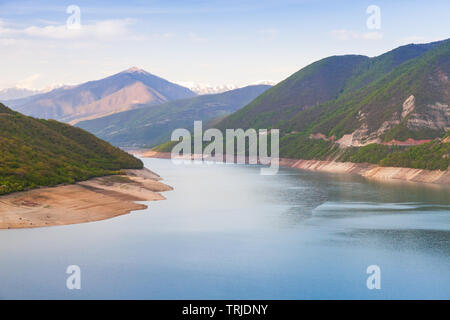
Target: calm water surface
{"x":227,"y":232}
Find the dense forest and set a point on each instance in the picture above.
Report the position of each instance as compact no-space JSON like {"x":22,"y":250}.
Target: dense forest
{"x":151,"y":125}
{"x":434,"y":155}
{"x":35,"y":152}
{"x":340,"y":94}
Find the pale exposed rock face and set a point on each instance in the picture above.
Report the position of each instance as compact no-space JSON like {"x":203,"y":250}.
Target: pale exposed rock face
{"x":346,"y":140}
{"x":408,"y":106}
{"x":362,"y":136}
{"x":387,"y":125}
{"x":407,"y":142}
{"x":442,"y":77}
{"x":359,"y":138}
{"x":320,"y":136}
{"x":436,"y":117}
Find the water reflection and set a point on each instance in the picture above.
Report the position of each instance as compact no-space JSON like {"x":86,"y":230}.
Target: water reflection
{"x":430,"y":242}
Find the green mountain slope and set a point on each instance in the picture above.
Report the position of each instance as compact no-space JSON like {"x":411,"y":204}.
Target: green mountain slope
{"x":434,"y":155}
{"x":312,"y":85}
{"x":46,"y":153}
{"x":149,"y":126}
{"x":411,"y":101}
{"x":402,"y":95}
{"x":327,"y":80}
{"x":377,"y":67}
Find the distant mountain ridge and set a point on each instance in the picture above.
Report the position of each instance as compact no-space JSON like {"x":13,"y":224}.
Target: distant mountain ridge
{"x":16,"y":93}
{"x":202,"y":88}
{"x":123,"y":91}
{"x":148,"y":126}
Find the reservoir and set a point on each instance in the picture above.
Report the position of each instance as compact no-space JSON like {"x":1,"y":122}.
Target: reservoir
{"x":227,"y":232}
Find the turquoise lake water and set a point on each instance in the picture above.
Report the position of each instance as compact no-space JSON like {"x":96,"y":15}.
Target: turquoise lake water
{"x":227,"y":232}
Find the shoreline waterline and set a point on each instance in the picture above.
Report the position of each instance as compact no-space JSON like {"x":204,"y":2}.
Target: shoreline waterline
{"x":86,"y":201}
{"x":366,"y":170}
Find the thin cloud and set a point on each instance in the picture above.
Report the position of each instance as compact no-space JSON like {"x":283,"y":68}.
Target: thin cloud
{"x":196,"y":38}
{"x":99,"y":30}
{"x":28,"y":83}
{"x":345,"y":35}
{"x":48,"y":22}
{"x":167,"y":35}
{"x":268,"y":33}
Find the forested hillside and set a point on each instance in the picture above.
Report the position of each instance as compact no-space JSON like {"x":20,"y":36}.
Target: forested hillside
{"x":360,"y":109}
{"x":46,"y":153}
{"x":151,"y":125}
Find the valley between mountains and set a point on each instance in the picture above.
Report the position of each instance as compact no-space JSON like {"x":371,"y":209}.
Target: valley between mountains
{"x":385,"y":117}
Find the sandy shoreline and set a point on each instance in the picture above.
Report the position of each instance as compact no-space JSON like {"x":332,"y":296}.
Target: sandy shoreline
{"x":370,"y":171}
{"x":92,"y":200}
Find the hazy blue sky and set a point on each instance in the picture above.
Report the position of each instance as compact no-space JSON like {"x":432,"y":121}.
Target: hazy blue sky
{"x":207,"y":41}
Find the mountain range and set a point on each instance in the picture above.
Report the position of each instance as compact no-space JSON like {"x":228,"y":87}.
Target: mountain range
{"x":336,"y":108}
{"x":123,"y":91}
{"x":360,"y":109}
{"x":16,"y":93}
{"x":151,"y":125}
{"x":204,"y":88}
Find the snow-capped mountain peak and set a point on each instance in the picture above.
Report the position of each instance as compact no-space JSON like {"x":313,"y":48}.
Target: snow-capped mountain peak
{"x":204,"y":88}
{"x":135,"y":70}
